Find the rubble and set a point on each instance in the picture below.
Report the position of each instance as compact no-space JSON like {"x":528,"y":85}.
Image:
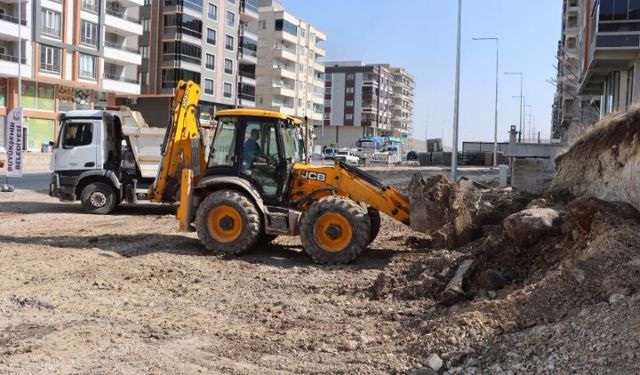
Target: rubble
{"x":527,"y":227}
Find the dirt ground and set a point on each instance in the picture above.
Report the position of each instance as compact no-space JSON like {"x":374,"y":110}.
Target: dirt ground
{"x":128,"y":293}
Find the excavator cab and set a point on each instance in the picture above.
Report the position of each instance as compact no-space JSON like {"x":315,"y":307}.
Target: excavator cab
{"x":257,"y":146}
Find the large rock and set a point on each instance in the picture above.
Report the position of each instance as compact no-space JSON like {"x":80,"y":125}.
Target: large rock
{"x":439,"y":208}
{"x":528,"y":227}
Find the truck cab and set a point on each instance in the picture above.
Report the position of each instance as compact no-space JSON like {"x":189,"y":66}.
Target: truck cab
{"x":99,"y":160}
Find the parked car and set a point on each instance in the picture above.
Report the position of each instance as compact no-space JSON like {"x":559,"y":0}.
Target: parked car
{"x":412,"y":155}
{"x":330,"y":153}
{"x":347,"y":156}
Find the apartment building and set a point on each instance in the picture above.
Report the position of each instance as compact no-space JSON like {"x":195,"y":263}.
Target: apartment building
{"x":210,"y":42}
{"x":290,"y":76}
{"x":75,"y":55}
{"x":571,"y":111}
{"x":365,"y":100}
{"x":609,"y":46}
{"x":402,"y":102}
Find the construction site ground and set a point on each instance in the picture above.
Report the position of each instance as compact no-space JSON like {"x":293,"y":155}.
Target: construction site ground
{"x":129,"y":293}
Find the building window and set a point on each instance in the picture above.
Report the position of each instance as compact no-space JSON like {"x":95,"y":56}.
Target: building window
{"x":228,"y":90}
{"x":327,"y":116}
{"x":208,"y":86}
{"x":348,"y":116}
{"x":231,"y":19}
{"x":210,"y":62}
{"x":228,"y":66}
{"x":229,"y":43}
{"x":50,"y":22}
{"x":262,"y":24}
{"x":349,"y":103}
{"x":90,"y":6}
{"x":232,"y":1}
{"x":144,"y":51}
{"x":49,"y":59}
{"x":87,"y":66}
{"x":349,"y":90}
{"x":145,"y":24}
{"x":286,"y":26}
{"x":89,"y":33}
{"x":211,"y":36}
{"x":351,"y":77}
{"x":213,"y":12}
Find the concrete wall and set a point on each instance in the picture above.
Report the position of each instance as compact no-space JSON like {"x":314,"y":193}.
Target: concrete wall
{"x":341,"y":136}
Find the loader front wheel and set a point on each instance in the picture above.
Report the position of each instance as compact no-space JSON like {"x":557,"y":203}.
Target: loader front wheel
{"x":334,"y":230}
{"x":374,"y":219}
{"x":228,"y":222}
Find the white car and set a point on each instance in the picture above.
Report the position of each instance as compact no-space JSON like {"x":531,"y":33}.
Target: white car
{"x":347,"y":156}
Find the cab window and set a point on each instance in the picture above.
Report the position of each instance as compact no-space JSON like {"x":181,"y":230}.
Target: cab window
{"x":223,"y":149}
{"x":77,"y":134}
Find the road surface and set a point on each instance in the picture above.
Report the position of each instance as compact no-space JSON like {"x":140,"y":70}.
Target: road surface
{"x":30,"y":181}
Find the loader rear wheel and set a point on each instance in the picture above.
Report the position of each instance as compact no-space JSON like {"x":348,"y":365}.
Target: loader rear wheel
{"x":335,"y":230}
{"x":98,"y":198}
{"x":227,"y":222}
{"x":374,"y":219}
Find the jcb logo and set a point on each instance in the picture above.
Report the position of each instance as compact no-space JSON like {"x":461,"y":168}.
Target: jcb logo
{"x":314,"y":176}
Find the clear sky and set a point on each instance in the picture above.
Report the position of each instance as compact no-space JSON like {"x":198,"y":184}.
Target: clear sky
{"x":420,"y":35}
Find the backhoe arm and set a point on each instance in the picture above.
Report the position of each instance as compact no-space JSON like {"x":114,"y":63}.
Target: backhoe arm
{"x":183,"y":147}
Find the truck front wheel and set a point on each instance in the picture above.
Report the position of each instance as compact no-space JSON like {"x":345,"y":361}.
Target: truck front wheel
{"x":98,"y":198}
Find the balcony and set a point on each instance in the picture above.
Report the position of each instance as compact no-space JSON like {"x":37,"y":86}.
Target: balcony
{"x":247,"y":100}
{"x":120,"y":84}
{"x":285,"y":71}
{"x":10,"y":26}
{"x":283,"y":35}
{"x":9,"y":66}
{"x":248,"y":10}
{"x":91,"y":7}
{"x":248,"y":56}
{"x":286,"y":53}
{"x":247,"y":78}
{"x":122,"y":24}
{"x":284,"y":90}
{"x":609,"y":51}
{"x":247,"y":32}
{"x":122,"y":53}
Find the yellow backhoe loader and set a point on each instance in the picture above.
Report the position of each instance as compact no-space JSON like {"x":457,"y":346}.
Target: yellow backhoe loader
{"x":255,"y":185}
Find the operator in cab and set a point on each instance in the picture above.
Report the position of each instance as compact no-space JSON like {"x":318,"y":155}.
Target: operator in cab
{"x":251,"y":151}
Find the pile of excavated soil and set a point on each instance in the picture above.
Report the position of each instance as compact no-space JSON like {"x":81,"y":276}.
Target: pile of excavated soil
{"x":604,"y":162}
{"x":595,"y":259}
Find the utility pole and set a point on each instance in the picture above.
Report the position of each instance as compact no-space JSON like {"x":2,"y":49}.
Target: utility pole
{"x":456,"y":104}
{"x":495,"y":130}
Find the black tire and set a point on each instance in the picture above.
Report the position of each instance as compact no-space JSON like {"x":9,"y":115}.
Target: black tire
{"x":245,"y":211}
{"x":98,"y":198}
{"x":348,"y":211}
{"x":374,"y":219}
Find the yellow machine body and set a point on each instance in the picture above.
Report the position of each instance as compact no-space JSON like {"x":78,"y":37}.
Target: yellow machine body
{"x":315,"y":182}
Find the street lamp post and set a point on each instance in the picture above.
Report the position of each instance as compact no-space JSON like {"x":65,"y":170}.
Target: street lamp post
{"x":456,"y":103}
{"x":495,"y":131}
{"x":521,"y":100}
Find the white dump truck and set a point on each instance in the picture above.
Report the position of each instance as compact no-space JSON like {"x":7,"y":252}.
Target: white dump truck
{"x":103,"y":158}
